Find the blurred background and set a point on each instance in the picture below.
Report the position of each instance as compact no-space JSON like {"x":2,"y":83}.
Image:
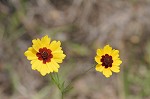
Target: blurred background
{"x":82,"y":26}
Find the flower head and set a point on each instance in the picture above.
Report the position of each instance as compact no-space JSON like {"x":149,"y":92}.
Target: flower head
{"x":45,"y":55}
{"x":108,"y":61}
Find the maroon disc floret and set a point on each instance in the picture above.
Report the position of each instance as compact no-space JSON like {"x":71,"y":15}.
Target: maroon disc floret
{"x":106,"y":61}
{"x":44,"y":55}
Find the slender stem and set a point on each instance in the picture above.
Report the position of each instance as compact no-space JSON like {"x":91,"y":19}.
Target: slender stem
{"x":57,"y":84}
{"x":62,"y":96}
{"x":88,"y":70}
{"x":78,"y":76}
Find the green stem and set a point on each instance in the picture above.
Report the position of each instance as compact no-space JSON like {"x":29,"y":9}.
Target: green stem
{"x":57,"y":83}
{"x":88,"y":70}
{"x":80,"y":75}
{"x":56,"y":80}
{"x":62,"y":96}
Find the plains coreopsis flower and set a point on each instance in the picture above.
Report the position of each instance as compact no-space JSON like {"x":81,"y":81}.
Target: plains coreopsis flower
{"x":108,"y":61}
{"x":45,"y":55}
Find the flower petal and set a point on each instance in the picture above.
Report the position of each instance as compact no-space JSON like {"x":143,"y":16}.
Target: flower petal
{"x":53,"y":66}
{"x":54,"y":45}
{"x":100,"y":52}
{"x":32,"y":50}
{"x":36,"y":64}
{"x":99,"y":68}
{"x":37,"y":44}
{"x":58,"y":60}
{"x":97,"y":59}
{"x":59,"y":56}
{"x":57,"y":52}
{"x":107,"y":49}
{"x":107,"y":72}
{"x":115,"y":69}
{"x":30,"y":55}
{"x":115,"y":54}
{"x":49,"y":65}
{"x":44,"y":70}
{"x":117,"y":62}
{"x":45,"y":40}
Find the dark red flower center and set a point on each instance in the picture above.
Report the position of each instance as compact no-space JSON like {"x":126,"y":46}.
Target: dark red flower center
{"x":44,"y":55}
{"x":106,"y":60}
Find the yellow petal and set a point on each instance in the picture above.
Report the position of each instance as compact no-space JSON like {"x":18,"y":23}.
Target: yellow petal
{"x":52,"y":66}
{"x":107,"y":72}
{"x":36,"y":64}
{"x":32,"y":61}
{"x":45,"y":40}
{"x":30,"y":55}
{"x":115,"y":69}
{"x":58,"y":60}
{"x":107,"y":49}
{"x":59,"y":56}
{"x":100,"y":52}
{"x":115,"y":54}
{"x":117,"y":62}
{"x":55,"y":64}
{"x":32,"y":50}
{"x":99,"y":68}
{"x":97,"y":59}
{"x":44,"y":70}
{"x":54,"y":45}
{"x":37,"y":44}
{"x":59,"y":49}
{"x":39,"y":67}
{"x":49,"y":66}
{"x":57,"y":52}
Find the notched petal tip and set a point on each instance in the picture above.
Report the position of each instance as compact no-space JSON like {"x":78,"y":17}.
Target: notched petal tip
{"x":107,"y":45}
{"x":97,"y":59}
{"x":99,"y":52}
{"x":46,"y":36}
{"x":43,"y":74}
{"x":107,"y":76}
{"x":59,"y":42}
{"x":64,"y":56}
{"x":107,"y":72}
{"x":99,"y":68}
{"x":120,"y":61}
{"x":34,"y":41}
{"x":56,"y":70}
{"x":25,"y":53}
{"x":107,"y":49}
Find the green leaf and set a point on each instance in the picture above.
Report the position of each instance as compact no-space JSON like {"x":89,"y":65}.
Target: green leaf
{"x":68,"y":88}
{"x":61,"y":85}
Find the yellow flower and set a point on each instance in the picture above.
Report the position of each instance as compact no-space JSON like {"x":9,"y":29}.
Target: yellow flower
{"x":108,"y":61}
{"x":45,"y":55}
